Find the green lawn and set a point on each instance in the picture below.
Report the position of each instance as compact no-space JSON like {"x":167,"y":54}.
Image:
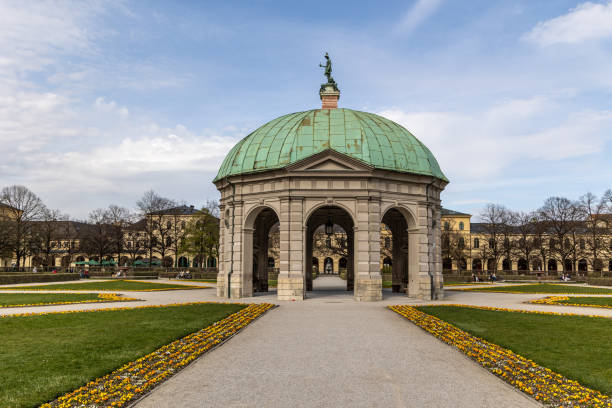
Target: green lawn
{"x":11,"y":299}
{"x":585,"y":300}
{"x":577,"y":347}
{"x":113,"y":285}
{"x":544,"y":288}
{"x":197,"y":280}
{"x":43,"y":357}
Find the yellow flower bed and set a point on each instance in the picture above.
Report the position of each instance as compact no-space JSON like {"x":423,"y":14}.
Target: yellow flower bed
{"x":102,"y":298}
{"x":541,"y":383}
{"x":558,"y":301}
{"x":135,"y":378}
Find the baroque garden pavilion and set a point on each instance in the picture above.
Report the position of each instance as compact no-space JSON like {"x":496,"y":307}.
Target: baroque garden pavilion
{"x":330,"y":166}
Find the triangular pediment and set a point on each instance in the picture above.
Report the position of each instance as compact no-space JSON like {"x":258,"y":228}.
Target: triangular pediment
{"x":329,"y":160}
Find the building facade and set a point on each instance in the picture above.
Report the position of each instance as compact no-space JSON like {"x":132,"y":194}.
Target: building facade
{"x":473,"y":247}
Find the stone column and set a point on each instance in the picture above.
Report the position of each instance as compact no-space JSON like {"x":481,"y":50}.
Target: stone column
{"x":291,"y":282}
{"x":308,"y":253}
{"x":368,"y":280}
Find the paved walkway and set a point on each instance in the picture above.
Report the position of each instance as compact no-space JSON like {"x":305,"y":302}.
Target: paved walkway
{"x":334,"y":353}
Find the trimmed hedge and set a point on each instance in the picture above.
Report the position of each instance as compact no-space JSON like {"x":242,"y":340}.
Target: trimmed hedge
{"x":37,"y":277}
{"x":599,"y":281}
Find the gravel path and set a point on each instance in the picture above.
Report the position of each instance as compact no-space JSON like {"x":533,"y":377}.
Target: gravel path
{"x":330,"y":352}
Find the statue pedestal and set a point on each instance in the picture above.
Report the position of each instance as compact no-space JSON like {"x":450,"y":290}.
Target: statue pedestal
{"x":329,"y":94}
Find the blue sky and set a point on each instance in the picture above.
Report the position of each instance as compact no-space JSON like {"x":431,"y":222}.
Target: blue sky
{"x":100,"y":101}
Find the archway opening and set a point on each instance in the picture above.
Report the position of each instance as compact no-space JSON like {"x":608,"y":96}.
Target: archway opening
{"x":328,"y":268}
{"x":552,"y":265}
{"x":183,"y":262}
{"x":506,"y":265}
{"x":394,"y":228}
{"x":477,"y":264}
{"x":265,"y":246}
{"x":329,"y":236}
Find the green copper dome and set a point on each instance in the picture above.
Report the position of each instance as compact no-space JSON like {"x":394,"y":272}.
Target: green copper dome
{"x":370,"y":138}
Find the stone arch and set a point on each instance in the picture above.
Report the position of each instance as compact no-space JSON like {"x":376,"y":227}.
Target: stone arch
{"x":211,"y":262}
{"x":251,"y":215}
{"x":183,"y":262}
{"x":552,"y":264}
{"x":477,"y":264}
{"x":320,"y":205}
{"x":404,"y":250}
{"x":258,"y":222}
{"x":407,"y":212}
{"x":522,"y":265}
{"x":342,"y":218}
{"x":582,"y":265}
{"x":506,"y":265}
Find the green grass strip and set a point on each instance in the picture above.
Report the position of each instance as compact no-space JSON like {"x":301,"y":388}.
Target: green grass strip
{"x":577,"y":347}
{"x":36,"y":299}
{"x":114,"y":285}
{"x":543,"y":288}
{"x":45,"y":356}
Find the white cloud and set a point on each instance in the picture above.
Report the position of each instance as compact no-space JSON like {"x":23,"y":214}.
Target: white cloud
{"x":420,"y":11}
{"x":489,"y":145}
{"x":588,"y":21}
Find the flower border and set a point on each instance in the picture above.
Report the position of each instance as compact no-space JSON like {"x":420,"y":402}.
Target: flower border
{"x":539,"y":382}
{"x":102,"y":298}
{"x":186,"y":287}
{"x":133,"y":380}
{"x":558,"y":301}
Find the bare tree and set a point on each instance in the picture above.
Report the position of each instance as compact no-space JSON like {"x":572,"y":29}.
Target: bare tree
{"x":136,"y":241}
{"x":594,"y":212}
{"x":494,"y":221}
{"x":562,"y":216}
{"x":454,"y":246}
{"x":527,"y":245}
{"x":153,"y":207}
{"x":68,"y":234}
{"x":119,"y":218}
{"x":46,"y":234}
{"x":98,"y":237}
{"x":27,"y":208}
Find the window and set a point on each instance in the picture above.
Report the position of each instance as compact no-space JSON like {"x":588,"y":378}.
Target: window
{"x":582,"y":245}
{"x":461,"y":226}
{"x":476,"y":243}
{"x":168,"y":241}
{"x":491,"y":243}
{"x":461,"y":243}
{"x":446,"y":225}
{"x":169,"y":224}
{"x":182,"y":224}
{"x":387,"y":242}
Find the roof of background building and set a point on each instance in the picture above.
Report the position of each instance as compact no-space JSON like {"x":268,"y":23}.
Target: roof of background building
{"x":367,"y":137}
{"x":446,"y":211}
